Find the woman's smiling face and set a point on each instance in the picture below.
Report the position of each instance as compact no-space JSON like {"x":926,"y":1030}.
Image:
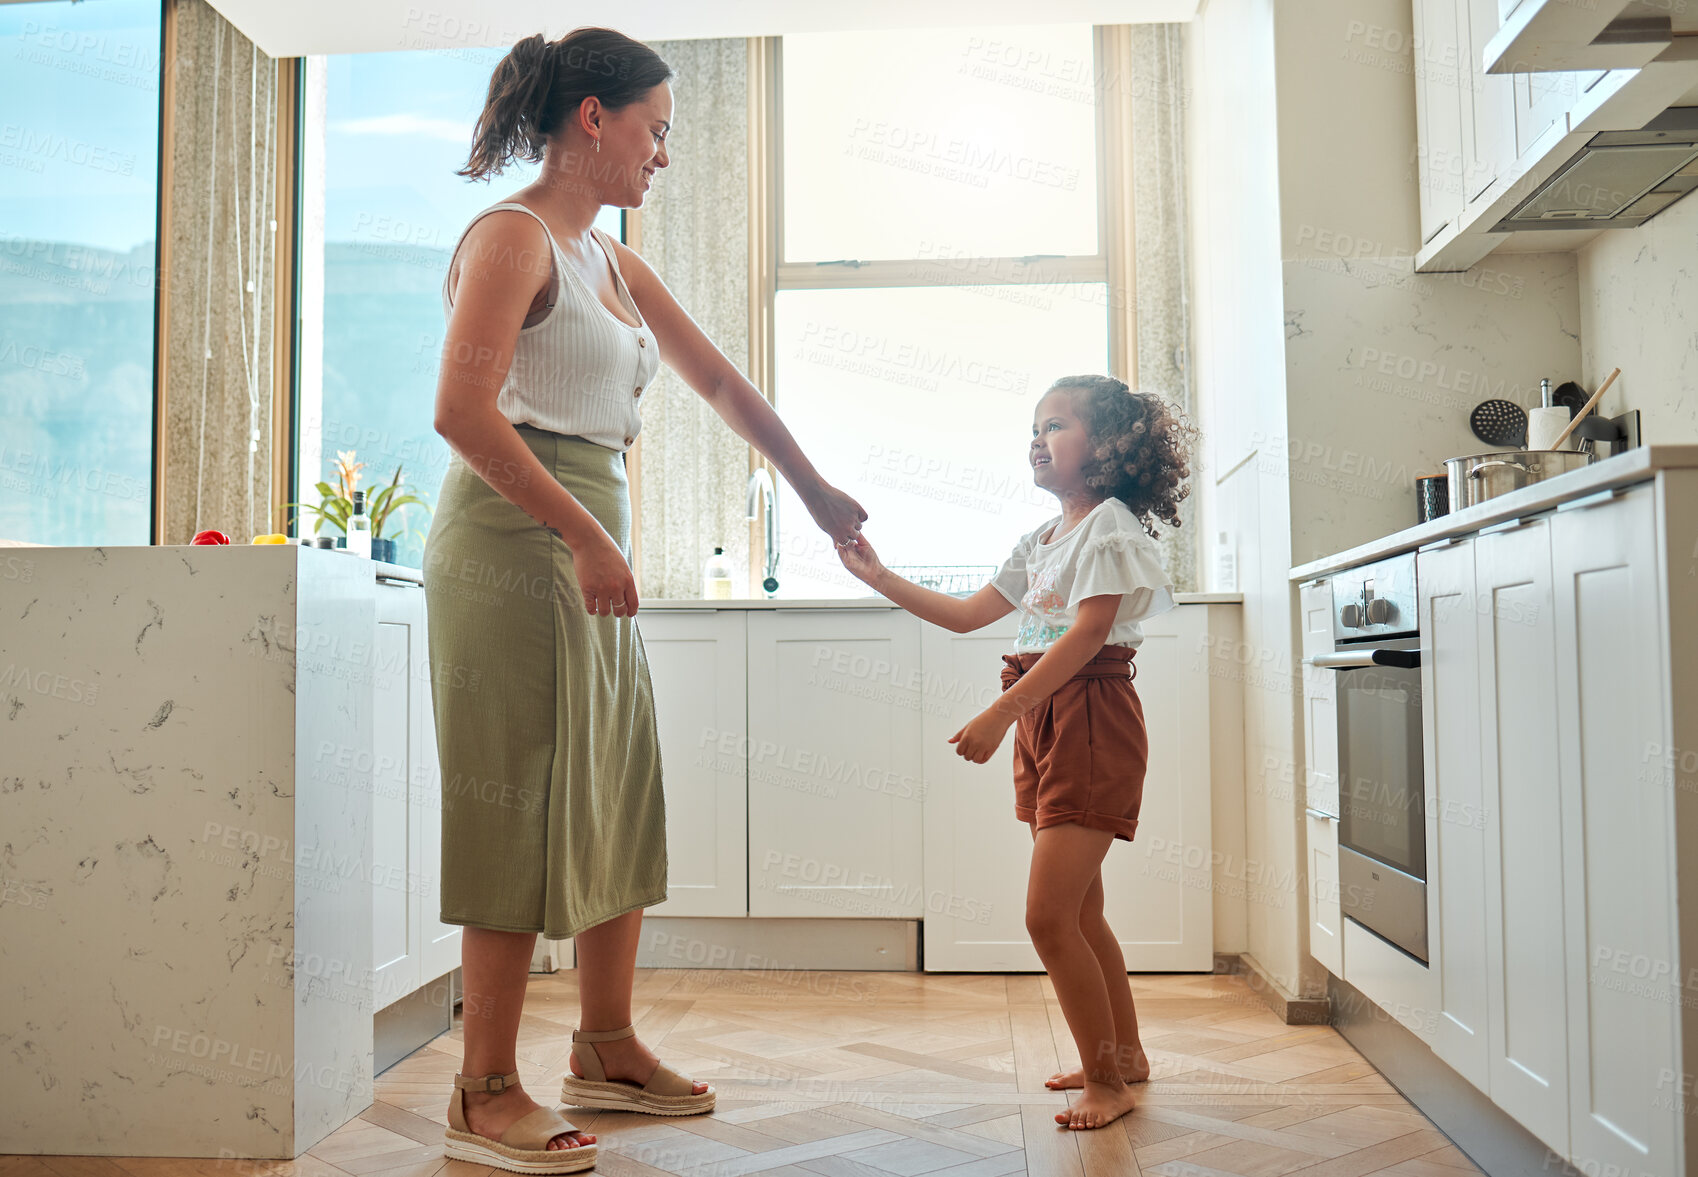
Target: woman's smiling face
{"x":1060,"y":444}
{"x":633,"y":146}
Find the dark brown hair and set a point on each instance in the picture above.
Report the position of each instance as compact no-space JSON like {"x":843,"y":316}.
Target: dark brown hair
{"x":540,"y":84}
{"x":1140,"y":446}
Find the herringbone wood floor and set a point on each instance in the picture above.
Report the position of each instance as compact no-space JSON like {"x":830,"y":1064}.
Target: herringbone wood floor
{"x":882,"y":1074}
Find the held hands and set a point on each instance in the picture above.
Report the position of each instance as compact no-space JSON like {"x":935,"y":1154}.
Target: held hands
{"x":838,"y":515}
{"x":861,"y":561}
{"x":981,"y":737}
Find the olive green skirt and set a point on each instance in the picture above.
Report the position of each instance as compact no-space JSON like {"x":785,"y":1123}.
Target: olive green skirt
{"x":552,"y":815}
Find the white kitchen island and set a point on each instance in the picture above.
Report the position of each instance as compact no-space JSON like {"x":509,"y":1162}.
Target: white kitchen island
{"x":186,"y":857}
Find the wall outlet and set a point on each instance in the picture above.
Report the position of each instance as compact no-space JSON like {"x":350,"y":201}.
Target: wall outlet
{"x":1226,"y":563}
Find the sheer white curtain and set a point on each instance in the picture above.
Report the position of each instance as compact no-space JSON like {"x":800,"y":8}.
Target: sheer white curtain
{"x":216,"y":291}
{"x":1163,"y":328}
{"x":695,"y":233}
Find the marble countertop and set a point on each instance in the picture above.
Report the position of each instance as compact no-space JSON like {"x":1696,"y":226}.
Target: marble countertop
{"x":872,"y":602}
{"x":1636,"y":465}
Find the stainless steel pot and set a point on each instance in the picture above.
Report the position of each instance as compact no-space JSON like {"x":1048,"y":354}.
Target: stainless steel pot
{"x":1479,"y":477}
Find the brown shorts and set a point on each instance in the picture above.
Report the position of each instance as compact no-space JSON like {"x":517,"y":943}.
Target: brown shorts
{"x":1079,"y":756}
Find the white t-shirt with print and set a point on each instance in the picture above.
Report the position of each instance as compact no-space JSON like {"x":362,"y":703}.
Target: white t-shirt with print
{"x":1108,"y":552}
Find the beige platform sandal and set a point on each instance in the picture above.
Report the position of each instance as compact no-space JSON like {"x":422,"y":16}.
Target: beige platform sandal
{"x":523,"y":1148}
{"x":667,"y":1093}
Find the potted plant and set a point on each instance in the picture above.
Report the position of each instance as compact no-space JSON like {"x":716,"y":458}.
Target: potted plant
{"x":336,"y":504}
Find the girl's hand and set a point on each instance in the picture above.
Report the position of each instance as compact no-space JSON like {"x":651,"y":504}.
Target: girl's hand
{"x":981,"y":737}
{"x":838,"y":515}
{"x":861,"y":561}
{"x":605,"y":578}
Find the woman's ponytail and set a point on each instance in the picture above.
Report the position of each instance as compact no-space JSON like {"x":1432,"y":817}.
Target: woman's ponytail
{"x":540,"y":83}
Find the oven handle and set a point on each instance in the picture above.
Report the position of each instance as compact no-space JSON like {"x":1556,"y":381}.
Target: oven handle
{"x":1356,"y":659}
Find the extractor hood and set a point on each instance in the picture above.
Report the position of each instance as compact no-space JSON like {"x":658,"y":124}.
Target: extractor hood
{"x":1618,"y":180}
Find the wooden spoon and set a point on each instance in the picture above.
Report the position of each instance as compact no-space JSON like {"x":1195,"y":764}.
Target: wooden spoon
{"x":1591,"y":404}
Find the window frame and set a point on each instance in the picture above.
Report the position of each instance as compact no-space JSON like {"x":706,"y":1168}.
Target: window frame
{"x":770,"y":274}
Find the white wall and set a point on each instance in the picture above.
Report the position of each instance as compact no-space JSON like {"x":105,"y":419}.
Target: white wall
{"x":1233,"y":218}
{"x":1639,"y":313}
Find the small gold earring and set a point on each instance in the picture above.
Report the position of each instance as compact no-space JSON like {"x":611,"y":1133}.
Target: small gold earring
{"x":598,"y":143}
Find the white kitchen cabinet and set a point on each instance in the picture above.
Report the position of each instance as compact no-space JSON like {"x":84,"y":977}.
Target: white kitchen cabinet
{"x":1159,"y":897}
{"x":1443,"y":70}
{"x":1526,"y":971}
{"x":1320,"y":777}
{"x":1326,"y":928}
{"x":1320,"y":701}
{"x":835,"y":785}
{"x":411,"y":946}
{"x":698,"y":664}
{"x":1488,"y":104}
{"x":1618,"y":848}
{"x":1541,"y":100}
{"x":1456,"y":812}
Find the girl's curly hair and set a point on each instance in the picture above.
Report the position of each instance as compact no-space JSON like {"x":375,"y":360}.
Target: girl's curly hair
{"x":1141,"y":446}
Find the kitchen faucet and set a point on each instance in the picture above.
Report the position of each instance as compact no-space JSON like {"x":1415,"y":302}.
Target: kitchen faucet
{"x":760,"y":492}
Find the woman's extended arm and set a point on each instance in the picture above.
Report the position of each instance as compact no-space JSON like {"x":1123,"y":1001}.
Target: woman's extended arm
{"x":740,"y":404}
{"x":498,"y":278}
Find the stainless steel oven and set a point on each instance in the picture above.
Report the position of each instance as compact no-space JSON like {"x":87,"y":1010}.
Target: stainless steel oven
{"x":1382,"y":840}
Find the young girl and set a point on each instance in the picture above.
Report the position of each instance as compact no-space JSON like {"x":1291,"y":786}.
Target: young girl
{"x":1083,"y":581}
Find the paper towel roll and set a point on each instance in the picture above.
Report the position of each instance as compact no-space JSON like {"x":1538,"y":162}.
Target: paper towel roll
{"x":1543,"y":425}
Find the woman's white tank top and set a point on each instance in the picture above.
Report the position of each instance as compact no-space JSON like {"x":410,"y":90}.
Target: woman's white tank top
{"x":581,"y":370}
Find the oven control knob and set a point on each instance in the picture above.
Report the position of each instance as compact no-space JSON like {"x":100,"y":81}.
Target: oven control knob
{"x":1379,"y":611}
{"x":1351,"y":616}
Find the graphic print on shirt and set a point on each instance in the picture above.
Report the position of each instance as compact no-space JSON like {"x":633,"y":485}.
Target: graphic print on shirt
{"x":1040,"y":608}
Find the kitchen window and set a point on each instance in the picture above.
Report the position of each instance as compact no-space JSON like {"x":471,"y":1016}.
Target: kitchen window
{"x":79,"y":208}
{"x":942,"y":254}
{"x":383,"y":134}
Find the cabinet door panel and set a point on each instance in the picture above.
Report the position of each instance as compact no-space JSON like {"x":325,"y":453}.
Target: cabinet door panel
{"x":698,"y":665}
{"x":1320,"y":702}
{"x":1618,"y":811}
{"x":1441,"y":71}
{"x":1488,"y":120}
{"x":835,"y":785}
{"x":1525,"y":951}
{"x":1456,"y":815}
{"x":1542,"y":99}
{"x":396,"y":958}
{"x":439,"y":942}
{"x":1326,"y":935}
{"x":1159,"y":897}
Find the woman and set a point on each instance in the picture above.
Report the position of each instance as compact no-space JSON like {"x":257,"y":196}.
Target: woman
{"x":552,"y":811}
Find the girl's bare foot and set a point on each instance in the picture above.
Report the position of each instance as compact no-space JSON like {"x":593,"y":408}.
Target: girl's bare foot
{"x":492,"y":1113}
{"x":1099,"y":1104}
{"x":628,"y":1059}
{"x":1138,"y":1072}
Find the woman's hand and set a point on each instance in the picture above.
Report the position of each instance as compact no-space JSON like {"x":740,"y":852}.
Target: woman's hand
{"x":981,"y":737}
{"x":838,"y":515}
{"x":861,"y":561}
{"x":605,"y":578}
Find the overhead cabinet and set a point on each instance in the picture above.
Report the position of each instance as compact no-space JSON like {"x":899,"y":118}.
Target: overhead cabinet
{"x":1489,"y":140}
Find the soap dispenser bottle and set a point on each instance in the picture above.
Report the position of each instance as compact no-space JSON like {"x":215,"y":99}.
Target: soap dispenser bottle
{"x":717,"y":576}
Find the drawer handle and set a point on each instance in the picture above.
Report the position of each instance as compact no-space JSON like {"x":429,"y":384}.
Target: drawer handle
{"x":1322,"y":814}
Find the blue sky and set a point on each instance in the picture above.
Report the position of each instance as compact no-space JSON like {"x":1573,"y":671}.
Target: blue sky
{"x":79,"y":114}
